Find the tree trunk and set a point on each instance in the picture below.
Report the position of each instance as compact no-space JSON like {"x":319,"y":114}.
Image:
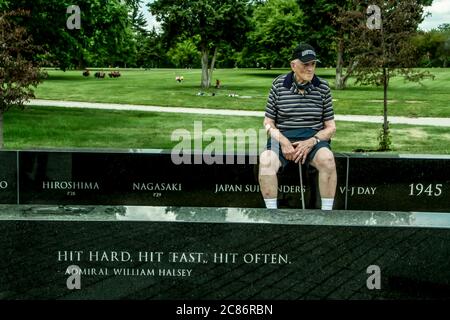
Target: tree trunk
{"x":341,"y":79}
{"x":213,"y":62}
{"x":339,"y":84}
{"x":205,"y":75}
{"x":1,"y":129}
{"x":384,"y":143}
{"x":385,"y":87}
{"x":385,"y":138}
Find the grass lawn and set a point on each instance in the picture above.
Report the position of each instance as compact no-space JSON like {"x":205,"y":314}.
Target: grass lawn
{"x":47,"y":127}
{"x":158,"y":87}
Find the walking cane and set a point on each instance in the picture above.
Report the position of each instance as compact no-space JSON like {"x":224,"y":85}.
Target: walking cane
{"x":301,"y":183}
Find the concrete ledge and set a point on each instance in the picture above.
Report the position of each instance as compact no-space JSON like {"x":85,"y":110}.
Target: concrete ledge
{"x":225,"y":215}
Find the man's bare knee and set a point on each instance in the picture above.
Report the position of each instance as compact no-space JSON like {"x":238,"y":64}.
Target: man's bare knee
{"x":325,"y":160}
{"x":268,"y":163}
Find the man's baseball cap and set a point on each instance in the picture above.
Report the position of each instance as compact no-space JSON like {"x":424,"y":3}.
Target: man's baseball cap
{"x":305,"y":53}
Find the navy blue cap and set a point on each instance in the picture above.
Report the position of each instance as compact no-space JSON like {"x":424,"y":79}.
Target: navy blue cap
{"x":305,"y":53}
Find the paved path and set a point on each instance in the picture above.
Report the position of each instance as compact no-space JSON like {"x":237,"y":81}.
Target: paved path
{"x":442,"y":122}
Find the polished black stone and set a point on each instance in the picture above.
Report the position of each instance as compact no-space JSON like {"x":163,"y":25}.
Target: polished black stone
{"x":222,"y":253}
{"x":403,"y":183}
{"x":8,"y":177}
{"x":418,"y":183}
{"x":153,"y":179}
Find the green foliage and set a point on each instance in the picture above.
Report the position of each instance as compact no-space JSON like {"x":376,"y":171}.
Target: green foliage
{"x":137,"y":18}
{"x":185,"y":54}
{"x":320,"y":29}
{"x":19,"y":74}
{"x":151,"y":51}
{"x":245,"y":33}
{"x":384,"y":52}
{"x":389,"y":47}
{"x":214,"y":22}
{"x":434,"y":47}
{"x":105,"y":37}
{"x":278,"y":27}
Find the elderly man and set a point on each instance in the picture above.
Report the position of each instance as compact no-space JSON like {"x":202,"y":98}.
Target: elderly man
{"x":300,"y":123}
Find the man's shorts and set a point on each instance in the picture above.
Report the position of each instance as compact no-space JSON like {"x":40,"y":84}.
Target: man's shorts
{"x":296,"y":135}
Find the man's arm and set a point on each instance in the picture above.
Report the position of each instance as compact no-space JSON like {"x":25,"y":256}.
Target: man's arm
{"x":328,"y":131}
{"x":286,"y":146}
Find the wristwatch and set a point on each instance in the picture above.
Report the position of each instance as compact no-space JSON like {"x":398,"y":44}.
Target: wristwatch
{"x":317,"y":139}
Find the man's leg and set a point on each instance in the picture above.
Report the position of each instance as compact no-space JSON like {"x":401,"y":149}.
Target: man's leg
{"x":324,"y":162}
{"x":269,"y":164}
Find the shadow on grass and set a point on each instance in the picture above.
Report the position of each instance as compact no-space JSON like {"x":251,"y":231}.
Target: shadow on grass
{"x":359,"y":150}
{"x":360,"y":88}
{"x":272,"y":75}
{"x":70,"y":77}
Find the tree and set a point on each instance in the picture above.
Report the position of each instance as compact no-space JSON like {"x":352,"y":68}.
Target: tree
{"x":434,"y":46}
{"x":345,"y":22}
{"x":185,"y":53}
{"x":214,"y":21}
{"x":278,"y":28}
{"x":319,"y":29}
{"x":137,"y":18}
{"x":151,"y":52}
{"x":382,"y":46}
{"x":104,"y":38}
{"x":18,"y":72}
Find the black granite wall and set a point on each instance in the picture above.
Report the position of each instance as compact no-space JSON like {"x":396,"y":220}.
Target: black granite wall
{"x":180,"y":260}
{"x":8,"y":177}
{"x":151,"y":178}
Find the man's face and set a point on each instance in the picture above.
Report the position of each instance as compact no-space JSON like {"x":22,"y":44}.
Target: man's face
{"x":303,"y":71}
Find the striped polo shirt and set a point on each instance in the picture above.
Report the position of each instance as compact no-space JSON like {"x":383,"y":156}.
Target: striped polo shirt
{"x":291,"y":109}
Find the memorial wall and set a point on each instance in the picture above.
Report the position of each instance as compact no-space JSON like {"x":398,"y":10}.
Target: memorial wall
{"x":134,"y":225}
{"x":222,"y":254}
{"x":401,"y":183}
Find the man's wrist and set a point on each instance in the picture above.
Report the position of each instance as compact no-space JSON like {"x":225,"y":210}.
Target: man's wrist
{"x":284,"y":141}
{"x":274,"y":131}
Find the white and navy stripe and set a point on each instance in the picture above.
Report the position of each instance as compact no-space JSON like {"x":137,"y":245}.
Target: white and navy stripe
{"x":291,"y":110}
